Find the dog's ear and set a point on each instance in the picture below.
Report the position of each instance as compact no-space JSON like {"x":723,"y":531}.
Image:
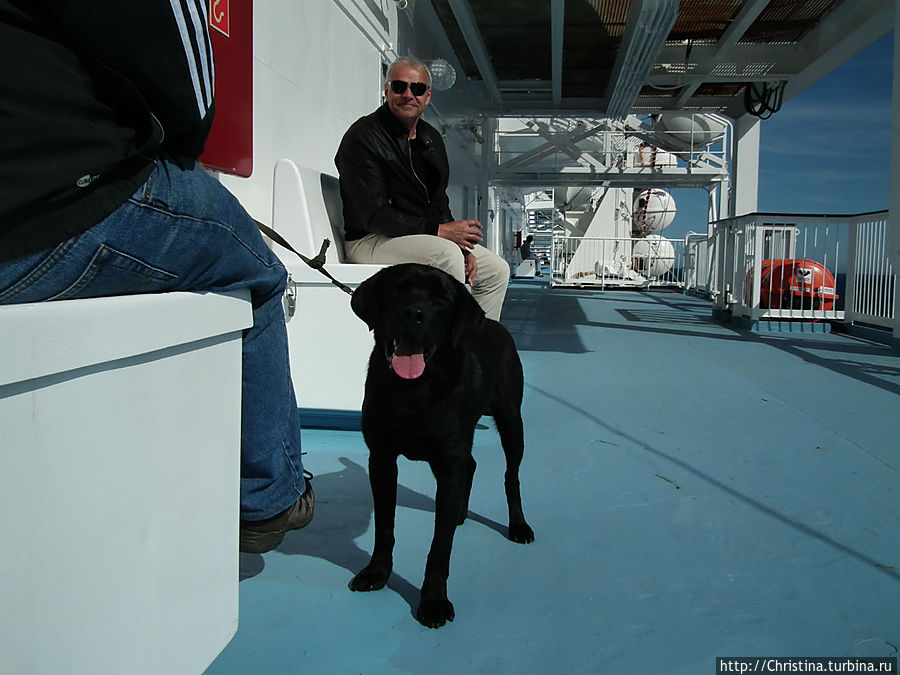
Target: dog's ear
{"x":365,"y":301}
{"x":469,"y":315}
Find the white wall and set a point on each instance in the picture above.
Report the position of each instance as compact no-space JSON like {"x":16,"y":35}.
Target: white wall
{"x":315,"y":71}
{"x":465,"y":184}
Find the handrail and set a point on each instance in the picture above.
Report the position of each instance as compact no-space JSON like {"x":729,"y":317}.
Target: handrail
{"x":784,"y":215}
{"x":760,"y":251}
{"x":846,"y":255}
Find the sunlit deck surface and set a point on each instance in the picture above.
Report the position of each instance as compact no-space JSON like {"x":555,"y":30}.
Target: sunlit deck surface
{"x":696,"y":491}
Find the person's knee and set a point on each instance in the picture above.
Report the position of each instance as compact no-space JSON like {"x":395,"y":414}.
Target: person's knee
{"x":447,"y":256}
{"x":495,"y":269}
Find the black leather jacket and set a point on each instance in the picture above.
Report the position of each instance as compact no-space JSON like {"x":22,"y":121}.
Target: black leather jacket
{"x":381,"y":192}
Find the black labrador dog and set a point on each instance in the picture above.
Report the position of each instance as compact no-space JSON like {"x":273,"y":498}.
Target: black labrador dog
{"x":437,"y":365}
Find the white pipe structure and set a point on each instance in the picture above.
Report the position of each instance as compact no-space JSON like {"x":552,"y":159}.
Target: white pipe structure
{"x":648,"y":25}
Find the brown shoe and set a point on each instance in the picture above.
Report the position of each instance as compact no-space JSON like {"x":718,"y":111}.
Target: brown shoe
{"x":260,"y":536}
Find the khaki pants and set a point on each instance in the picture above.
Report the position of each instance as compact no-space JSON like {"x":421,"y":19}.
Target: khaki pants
{"x":489,"y":288}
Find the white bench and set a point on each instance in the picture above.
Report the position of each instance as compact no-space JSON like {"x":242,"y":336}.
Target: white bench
{"x":329,"y":344}
{"x":119,"y":486}
{"x":526,"y":268}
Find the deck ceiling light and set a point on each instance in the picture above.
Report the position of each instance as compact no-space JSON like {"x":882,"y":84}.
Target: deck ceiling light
{"x":443,"y":75}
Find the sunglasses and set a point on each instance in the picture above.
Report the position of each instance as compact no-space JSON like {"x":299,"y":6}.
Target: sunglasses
{"x":416,"y":88}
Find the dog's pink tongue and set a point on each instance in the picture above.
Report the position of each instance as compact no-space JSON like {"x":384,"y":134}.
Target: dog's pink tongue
{"x":407,"y":362}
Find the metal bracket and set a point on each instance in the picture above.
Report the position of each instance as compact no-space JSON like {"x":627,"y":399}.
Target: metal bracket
{"x":290,"y":296}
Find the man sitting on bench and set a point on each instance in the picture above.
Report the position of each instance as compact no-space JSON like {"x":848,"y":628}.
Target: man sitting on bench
{"x":394,"y":173}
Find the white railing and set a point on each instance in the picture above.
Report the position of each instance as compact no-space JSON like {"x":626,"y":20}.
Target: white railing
{"x":617,"y":261}
{"x":871,"y":289}
{"x":760,"y":266}
{"x":789,"y":267}
{"x":698,"y":267}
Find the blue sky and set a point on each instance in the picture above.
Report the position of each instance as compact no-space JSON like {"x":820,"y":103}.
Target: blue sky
{"x":826,"y":151}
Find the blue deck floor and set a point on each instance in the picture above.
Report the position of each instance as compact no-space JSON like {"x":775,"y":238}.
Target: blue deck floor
{"x":695,"y":491}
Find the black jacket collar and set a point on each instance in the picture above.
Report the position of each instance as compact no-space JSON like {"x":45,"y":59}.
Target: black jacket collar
{"x":400,"y":132}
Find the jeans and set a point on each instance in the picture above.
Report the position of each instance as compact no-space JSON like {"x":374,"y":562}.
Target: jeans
{"x":183,"y":231}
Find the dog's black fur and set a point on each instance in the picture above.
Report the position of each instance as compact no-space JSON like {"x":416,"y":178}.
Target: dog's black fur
{"x":470,"y":365}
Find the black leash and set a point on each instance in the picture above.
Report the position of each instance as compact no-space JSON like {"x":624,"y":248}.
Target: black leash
{"x":317,"y":263}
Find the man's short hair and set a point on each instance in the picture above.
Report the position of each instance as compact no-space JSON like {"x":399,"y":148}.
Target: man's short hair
{"x":412,"y":62}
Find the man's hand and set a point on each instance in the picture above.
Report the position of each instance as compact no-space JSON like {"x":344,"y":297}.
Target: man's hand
{"x":471,"y":267}
{"x":463,"y":233}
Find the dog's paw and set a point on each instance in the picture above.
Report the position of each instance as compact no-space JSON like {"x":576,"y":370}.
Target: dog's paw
{"x":435,"y":613}
{"x":369,"y":579}
{"x":521,"y":533}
